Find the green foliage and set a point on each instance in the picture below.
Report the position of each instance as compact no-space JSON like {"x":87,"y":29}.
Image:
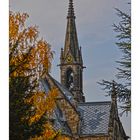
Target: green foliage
{"x":29,"y":58}
{"x":18,"y":109}
{"x":123,"y":85}
{"x":123,"y":94}
{"x":123,"y":30}
{"x":21,"y":112}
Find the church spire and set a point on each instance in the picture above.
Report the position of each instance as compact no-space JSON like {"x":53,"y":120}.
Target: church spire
{"x":71,"y":10}
{"x":71,"y":40}
{"x":71,"y":63}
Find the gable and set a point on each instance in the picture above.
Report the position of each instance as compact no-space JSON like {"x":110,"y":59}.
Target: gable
{"x":65,"y":103}
{"x":90,"y":119}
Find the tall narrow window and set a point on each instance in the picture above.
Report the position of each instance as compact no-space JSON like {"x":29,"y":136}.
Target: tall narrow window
{"x":69,"y":79}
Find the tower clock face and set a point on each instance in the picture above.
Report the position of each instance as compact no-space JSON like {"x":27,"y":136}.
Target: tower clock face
{"x":69,"y":59}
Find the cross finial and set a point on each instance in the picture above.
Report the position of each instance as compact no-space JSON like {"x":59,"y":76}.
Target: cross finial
{"x":71,"y":10}
{"x":114,"y":94}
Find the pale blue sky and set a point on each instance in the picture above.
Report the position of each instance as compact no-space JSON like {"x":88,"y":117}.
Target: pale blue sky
{"x":94,"y":19}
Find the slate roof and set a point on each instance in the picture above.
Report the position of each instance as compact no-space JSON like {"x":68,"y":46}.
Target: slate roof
{"x":67,"y":94}
{"x":45,"y":86}
{"x":65,"y":91}
{"x":59,"y":122}
{"x":57,"y":118}
{"x":95,"y":117}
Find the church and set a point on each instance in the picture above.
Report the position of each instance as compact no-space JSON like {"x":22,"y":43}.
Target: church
{"x":77,"y":119}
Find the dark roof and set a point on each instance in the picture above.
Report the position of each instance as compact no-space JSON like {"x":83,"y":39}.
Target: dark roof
{"x":67,"y":94}
{"x":95,"y":118}
{"x":65,"y":91}
{"x":44,"y":85}
{"x":59,"y":122}
{"x":94,"y":115}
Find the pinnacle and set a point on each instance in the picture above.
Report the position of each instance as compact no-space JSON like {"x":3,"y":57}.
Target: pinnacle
{"x":71,"y":10}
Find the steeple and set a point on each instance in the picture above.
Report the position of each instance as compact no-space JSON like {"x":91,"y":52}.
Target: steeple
{"x":71,"y":10}
{"x":71,"y":40}
{"x":71,"y":62}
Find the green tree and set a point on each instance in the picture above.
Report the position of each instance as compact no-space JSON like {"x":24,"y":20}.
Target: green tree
{"x":123,"y":84}
{"x":29,"y":58}
{"x":19,"y":110}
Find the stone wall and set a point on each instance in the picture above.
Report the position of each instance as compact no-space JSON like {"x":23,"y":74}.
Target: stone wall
{"x":89,"y":138}
{"x":70,"y":114}
{"x":72,"y":118}
{"x":95,"y":138}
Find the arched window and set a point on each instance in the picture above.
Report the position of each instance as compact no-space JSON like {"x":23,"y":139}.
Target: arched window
{"x":69,"y":79}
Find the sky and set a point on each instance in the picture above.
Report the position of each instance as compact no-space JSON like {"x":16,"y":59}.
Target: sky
{"x":94,"y":20}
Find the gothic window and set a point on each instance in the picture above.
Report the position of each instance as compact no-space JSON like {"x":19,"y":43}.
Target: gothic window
{"x":69,"y":79}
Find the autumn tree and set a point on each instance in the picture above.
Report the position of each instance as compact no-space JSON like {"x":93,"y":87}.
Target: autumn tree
{"x":123,"y":85}
{"x":29,"y":59}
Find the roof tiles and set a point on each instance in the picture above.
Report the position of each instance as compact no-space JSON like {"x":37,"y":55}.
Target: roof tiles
{"x":95,"y":117}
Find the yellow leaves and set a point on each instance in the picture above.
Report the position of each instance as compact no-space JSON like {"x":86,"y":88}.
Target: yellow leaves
{"x":48,"y":134}
{"x":43,"y":103}
{"x":14,"y":31}
{"x":32,"y":33}
{"x":21,"y":18}
{"x":24,"y":41}
{"x":51,"y":99}
{"x":18,"y":31}
{"x":16,"y":22}
{"x":44,"y":51}
{"x":32,"y":57}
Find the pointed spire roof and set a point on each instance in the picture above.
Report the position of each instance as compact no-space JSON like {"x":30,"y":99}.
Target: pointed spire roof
{"x":114,"y":94}
{"x":71,"y":10}
{"x":71,"y":40}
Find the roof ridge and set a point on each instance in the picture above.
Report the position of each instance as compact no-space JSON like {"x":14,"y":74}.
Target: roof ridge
{"x":100,"y":102}
{"x":63,"y":93}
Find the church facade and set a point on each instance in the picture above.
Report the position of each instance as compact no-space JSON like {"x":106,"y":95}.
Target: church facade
{"x":77,"y":119}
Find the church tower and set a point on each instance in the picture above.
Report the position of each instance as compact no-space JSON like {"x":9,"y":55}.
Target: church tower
{"x":71,"y":63}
